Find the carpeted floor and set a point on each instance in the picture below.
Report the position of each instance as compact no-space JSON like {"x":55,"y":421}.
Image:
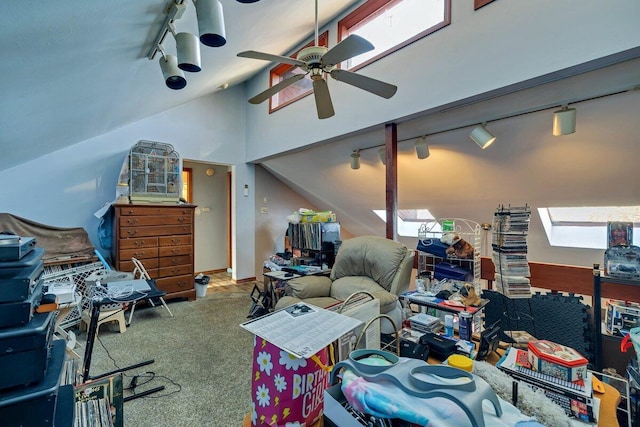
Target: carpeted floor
{"x":202,"y":357}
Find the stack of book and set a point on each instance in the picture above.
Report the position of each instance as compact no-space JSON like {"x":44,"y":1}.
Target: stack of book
{"x":510,"y":230}
{"x":576,"y":398}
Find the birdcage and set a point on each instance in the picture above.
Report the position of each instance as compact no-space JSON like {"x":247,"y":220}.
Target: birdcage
{"x":155,"y":173}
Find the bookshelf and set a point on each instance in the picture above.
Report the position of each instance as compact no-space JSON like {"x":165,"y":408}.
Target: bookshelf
{"x":314,"y":243}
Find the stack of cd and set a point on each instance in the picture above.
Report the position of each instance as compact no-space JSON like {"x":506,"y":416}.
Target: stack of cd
{"x":510,"y":230}
{"x":424,"y":323}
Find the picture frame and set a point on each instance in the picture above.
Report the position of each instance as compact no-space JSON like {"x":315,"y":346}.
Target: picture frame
{"x":477,"y":4}
{"x":619,"y":233}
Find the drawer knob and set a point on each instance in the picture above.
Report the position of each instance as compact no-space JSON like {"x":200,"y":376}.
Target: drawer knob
{"x":140,"y":243}
{"x":181,"y":219}
{"x":132,"y":232}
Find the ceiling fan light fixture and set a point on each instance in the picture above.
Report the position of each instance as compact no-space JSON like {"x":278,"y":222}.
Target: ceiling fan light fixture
{"x":481,"y":136}
{"x":173,"y":76}
{"x":422,"y":148}
{"x":564,"y":121}
{"x":211,"y":23}
{"x":355,"y":160}
{"x":188,"y":49}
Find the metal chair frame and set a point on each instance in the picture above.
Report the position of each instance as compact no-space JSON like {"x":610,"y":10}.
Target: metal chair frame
{"x":140,"y":272}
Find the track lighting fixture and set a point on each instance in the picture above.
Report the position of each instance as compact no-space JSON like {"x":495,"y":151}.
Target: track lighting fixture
{"x":211,"y":29}
{"x":564,"y":121}
{"x":355,"y":159}
{"x":382,"y":153}
{"x":481,"y":136}
{"x":211,"y":23}
{"x":422,"y":149}
{"x":173,"y":76}
{"x":188,"y":49}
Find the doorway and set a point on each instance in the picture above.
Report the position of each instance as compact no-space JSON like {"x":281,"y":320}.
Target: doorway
{"x":207,"y":185}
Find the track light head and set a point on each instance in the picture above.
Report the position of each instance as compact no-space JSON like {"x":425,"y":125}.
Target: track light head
{"x":422,"y":149}
{"x":382,"y":153}
{"x":355,"y":160}
{"x":564,"y":121}
{"x":188,"y":48}
{"x":173,"y":76}
{"x":211,"y":23}
{"x":481,"y":136}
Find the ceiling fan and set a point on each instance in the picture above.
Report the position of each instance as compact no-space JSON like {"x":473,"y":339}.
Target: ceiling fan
{"x":318,"y":62}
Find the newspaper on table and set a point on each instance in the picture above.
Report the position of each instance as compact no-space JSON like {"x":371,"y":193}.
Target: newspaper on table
{"x":301,"y":329}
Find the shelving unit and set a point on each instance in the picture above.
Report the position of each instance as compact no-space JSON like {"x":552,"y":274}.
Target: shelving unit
{"x":598,"y":279}
{"x":317,"y":240}
{"x":466,"y":229}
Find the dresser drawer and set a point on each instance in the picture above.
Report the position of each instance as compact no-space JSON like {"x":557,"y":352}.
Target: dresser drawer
{"x":174,"y":250}
{"x":175,"y":260}
{"x":149,"y":264}
{"x":178,"y":240}
{"x":141,"y":253}
{"x":176,"y":284}
{"x":156,"y":230}
{"x":155,"y":210}
{"x":145,"y":242}
{"x":178,"y":270}
{"x":134,"y":221}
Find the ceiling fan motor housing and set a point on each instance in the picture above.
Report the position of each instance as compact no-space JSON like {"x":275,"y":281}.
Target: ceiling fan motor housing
{"x":312,"y":55}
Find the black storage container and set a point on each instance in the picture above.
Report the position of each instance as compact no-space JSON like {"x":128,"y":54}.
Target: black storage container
{"x":35,"y":405}
{"x":14,"y":314}
{"x":29,"y":260}
{"x":19,"y":284}
{"x":24,"y":351}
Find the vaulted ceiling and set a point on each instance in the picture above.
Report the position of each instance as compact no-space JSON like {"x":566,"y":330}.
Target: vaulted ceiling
{"x":76,"y":69}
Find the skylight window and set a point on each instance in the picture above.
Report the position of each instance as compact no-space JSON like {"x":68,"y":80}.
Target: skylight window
{"x":409,"y":220}
{"x":585,"y":227}
{"x":392,"y":24}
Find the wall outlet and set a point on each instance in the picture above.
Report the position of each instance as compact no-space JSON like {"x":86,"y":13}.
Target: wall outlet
{"x":264,"y":210}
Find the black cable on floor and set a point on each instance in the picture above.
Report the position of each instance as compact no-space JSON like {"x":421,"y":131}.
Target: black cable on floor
{"x":133,"y":384}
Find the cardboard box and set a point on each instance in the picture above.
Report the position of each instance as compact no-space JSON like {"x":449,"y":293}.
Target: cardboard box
{"x":327,"y":216}
{"x":557,"y":360}
{"x":363,"y":308}
{"x":621,"y":316}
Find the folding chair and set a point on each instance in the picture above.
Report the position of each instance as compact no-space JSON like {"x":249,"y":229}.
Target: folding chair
{"x":141,"y":273}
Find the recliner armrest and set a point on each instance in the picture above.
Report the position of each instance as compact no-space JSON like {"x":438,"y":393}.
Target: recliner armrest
{"x":308,"y":287}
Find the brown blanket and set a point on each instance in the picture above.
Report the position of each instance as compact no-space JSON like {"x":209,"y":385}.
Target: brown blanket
{"x":59,"y":243}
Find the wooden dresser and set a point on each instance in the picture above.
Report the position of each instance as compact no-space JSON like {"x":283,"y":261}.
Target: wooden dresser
{"x":161,"y":237}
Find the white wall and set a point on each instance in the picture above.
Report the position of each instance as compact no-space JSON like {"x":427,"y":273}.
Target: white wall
{"x":500,"y":44}
{"x":66,"y":187}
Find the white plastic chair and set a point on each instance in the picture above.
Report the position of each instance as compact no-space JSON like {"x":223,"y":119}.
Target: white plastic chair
{"x":141,"y":273}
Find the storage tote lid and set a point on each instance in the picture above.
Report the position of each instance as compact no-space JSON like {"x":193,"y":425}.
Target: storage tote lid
{"x":556,"y":353}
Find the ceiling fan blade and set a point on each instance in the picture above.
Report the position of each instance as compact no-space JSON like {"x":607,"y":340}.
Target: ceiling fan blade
{"x":374,"y":86}
{"x":353,"y":45}
{"x":263,"y":96}
{"x":269,"y":57}
{"x":323,"y":99}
